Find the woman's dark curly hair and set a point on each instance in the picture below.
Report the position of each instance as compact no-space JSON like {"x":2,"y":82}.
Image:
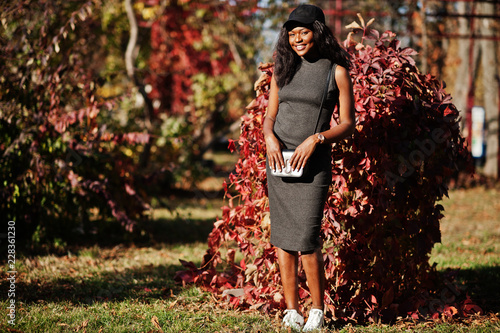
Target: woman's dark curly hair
{"x":287,"y":62}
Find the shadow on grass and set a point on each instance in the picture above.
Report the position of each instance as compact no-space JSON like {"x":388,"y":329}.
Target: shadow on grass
{"x":482,"y":285}
{"x":167,"y":231}
{"x":147,"y":282}
{"x":170,"y":228}
{"x":139,"y":284}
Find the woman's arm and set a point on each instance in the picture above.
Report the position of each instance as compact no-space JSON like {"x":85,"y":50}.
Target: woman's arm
{"x":273,"y":146}
{"x":346,"y":108}
{"x":342,"y":130}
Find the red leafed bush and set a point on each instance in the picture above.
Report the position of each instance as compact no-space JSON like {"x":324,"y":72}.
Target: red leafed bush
{"x":382,"y":215}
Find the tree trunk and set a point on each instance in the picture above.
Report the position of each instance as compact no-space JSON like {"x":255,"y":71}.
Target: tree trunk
{"x":130,"y":57}
{"x":491,"y":89}
{"x":425,"y":40}
{"x":465,"y":72}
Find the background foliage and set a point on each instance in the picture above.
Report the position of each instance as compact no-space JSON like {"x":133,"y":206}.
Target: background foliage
{"x":79,"y":146}
{"x":200,"y":70}
{"x":59,"y":163}
{"x":382,"y":216}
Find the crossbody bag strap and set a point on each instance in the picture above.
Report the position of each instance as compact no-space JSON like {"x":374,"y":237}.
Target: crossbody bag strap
{"x":324,"y":97}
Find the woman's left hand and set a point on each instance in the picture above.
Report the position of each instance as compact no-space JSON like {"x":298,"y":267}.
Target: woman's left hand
{"x":303,"y":152}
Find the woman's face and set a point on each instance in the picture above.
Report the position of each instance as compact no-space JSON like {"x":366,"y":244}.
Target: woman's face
{"x":302,"y":42}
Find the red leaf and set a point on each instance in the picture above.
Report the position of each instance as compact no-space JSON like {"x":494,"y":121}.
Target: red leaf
{"x":232,"y":146}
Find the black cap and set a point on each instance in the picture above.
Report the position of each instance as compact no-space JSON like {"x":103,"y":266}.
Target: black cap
{"x":305,"y":14}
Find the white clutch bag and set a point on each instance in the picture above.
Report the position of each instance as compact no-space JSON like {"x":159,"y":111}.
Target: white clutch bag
{"x":287,"y":171}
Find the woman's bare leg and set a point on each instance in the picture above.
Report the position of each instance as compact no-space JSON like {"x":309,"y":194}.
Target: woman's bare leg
{"x":289,"y":262}
{"x":315,"y":273}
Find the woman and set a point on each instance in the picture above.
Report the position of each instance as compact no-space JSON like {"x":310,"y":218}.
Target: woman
{"x":305,"y":52}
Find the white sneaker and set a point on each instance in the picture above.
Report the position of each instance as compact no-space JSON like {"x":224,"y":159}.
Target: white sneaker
{"x":293,"y":319}
{"x":315,"y":320}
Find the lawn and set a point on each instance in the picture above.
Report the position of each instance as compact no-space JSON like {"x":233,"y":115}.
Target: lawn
{"x":130,"y":288}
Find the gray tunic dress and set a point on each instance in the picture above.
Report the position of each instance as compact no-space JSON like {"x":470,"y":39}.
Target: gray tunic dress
{"x":296,"y":204}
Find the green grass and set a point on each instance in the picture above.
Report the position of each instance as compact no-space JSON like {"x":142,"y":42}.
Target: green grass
{"x":127,"y":288}
{"x":470,"y":230}
{"x":185,"y":313}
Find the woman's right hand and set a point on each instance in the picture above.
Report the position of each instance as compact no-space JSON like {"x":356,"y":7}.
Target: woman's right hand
{"x":274,"y":156}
